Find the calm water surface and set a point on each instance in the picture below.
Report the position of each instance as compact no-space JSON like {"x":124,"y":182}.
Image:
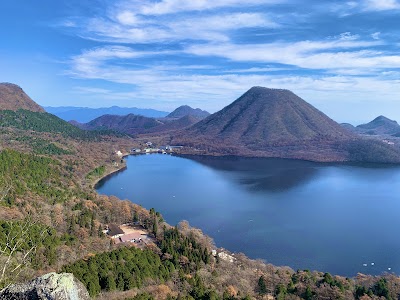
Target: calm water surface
{"x":332,"y":218}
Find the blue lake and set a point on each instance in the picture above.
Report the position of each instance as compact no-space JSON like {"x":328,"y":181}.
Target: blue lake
{"x":328,"y":217}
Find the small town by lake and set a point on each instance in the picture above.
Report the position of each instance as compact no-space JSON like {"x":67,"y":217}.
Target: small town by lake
{"x":335,"y":218}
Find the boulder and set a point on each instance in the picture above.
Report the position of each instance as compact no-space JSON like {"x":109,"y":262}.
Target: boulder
{"x":51,"y":286}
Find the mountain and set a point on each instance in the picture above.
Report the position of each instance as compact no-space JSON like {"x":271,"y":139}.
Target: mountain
{"x":12,"y":97}
{"x":380,"y":125}
{"x":277,"y":123}
{"x":349,"y":127}
{"x":130,"y":124}
{"x":186,"y":110}
{"x":133,"y":124}
{"x":269,"y":116}
{"x":19,"y":112}
{"x":175,"y":124}
{"x":85,"y":114}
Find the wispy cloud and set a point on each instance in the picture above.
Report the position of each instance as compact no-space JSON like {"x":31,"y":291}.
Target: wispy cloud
{"x":258,"y":70}
{"x":127,"y":27}
{"x":177,"y":6}
{"x":376,"y":35}
{"x":91,"y":61}
{"x":91,"y":90}
{"x":380,"y":5}
{"x":341,"y":53}
{"x":346,"y":8}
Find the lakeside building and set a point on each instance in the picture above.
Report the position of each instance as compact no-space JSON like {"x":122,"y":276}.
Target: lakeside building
{"x":114,"y":231}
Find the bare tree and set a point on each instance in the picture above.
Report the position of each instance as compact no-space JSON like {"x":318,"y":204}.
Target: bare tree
{"x":17,"y":245}
{"x":5,"y":189}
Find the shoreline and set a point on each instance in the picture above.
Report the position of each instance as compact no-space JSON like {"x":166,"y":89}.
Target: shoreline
{"x":109,"y":173}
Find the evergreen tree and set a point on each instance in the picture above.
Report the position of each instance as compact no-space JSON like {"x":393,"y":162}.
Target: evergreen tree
{"x":262,"y":288}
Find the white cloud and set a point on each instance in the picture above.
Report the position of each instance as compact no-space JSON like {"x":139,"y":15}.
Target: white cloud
{"x":223,"y":22}
{"x":68,"y":23}
{"x":177,"y":6}
{"x":105,"y":30}
{"x":348,"y":36}
{"x":256,"y":70}
{"x":353,"y":7}
{"x":127,"y":17}
{"x":91,"y":90}
{"x":344,"y":9}
{"x":376,"y":35}
{"x":380,"y":5}
{"x":91,"y":61}
{"x":304,"y":54}
{"x":126,"y":27}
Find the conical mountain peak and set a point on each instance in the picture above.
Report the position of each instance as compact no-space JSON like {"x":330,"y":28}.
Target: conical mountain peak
{"x":264,"y":116}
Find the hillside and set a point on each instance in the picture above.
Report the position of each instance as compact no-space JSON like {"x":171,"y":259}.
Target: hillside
{"x":130,"y":124}
{"x":12,"y":97}
{"x":45,"y":122}
{"x":277,"y":123}
{"x":85,"y":114}
{"x":380,"y":125}
{"x":133,"y":124}
{"x":186,"y":110}
{"x":349,"y":127}
{"x":174,"y":124}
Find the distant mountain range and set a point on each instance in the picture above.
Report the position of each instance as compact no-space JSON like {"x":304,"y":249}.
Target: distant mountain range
{"x":186,"y":110}
{"x":12,"y":97}
{"x":85,"y":114}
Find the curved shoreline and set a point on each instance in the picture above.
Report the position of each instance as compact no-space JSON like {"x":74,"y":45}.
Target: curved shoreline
{"x":109,"y":173}
{"x":106,"y":176}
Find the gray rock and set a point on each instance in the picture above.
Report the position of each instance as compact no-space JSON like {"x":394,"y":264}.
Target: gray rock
{"x":51,"y":286}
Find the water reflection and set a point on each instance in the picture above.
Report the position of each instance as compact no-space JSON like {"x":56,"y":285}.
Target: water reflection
{"x":273,"y":175}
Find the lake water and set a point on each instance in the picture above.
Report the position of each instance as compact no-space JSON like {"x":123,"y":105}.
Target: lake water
{"x":326,"y":217}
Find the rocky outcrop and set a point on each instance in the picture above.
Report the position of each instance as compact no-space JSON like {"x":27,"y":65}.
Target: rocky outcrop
{"x":51,"y":286}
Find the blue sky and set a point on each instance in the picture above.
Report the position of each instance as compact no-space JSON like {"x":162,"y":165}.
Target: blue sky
{"x":341,"y":56}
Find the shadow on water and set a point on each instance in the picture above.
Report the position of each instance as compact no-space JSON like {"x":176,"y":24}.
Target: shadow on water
{"x":263,"y":174}
{"x":280,"y":181}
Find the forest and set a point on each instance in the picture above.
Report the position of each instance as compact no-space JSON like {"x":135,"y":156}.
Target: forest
{"x":45,"y":122}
